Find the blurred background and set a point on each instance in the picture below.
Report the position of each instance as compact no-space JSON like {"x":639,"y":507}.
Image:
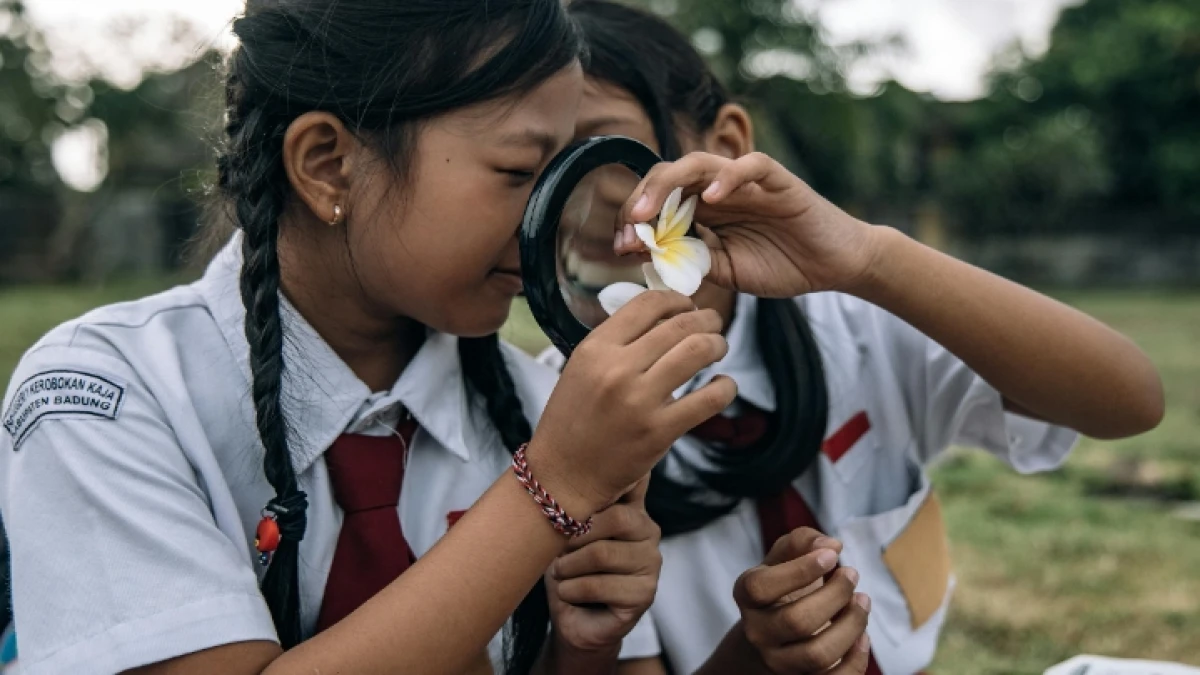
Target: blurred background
{"x":1056,"y":142}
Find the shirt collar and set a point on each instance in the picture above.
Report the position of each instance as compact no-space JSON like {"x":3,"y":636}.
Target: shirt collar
{"x":322,"y":397}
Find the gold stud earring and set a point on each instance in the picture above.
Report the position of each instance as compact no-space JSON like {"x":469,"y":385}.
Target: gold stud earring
{"x":337,"y":215}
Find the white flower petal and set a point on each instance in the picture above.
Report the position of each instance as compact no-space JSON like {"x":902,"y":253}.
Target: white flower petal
{"x":615,"y":296}
{"x":682,"y":264}
{"x":682,"y":221}
{"x":694,"y":251}
{"x":646,"y":234}
{"x":653,"y":281}
{"x":667,"y":215}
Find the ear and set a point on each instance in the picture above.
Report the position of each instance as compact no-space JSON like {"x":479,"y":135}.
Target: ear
{"x":317,"y":154}
{"x":732,"y":133}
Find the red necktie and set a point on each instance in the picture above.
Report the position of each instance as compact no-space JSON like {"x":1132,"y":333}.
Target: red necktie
{"x":366,"y":473}
{"x":778,"y":514}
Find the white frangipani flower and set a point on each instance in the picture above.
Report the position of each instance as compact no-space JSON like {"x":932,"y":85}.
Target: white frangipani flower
{"x":679,"y":262}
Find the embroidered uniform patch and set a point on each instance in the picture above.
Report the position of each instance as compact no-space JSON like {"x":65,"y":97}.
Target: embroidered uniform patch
{"x":61,"y":393}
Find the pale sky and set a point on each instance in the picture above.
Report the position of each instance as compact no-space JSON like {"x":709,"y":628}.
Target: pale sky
{"x":951,"y":42}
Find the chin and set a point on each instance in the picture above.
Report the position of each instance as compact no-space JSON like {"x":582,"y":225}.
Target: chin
{"x":477,"y":322}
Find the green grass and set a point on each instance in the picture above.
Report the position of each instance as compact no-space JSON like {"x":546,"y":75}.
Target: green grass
{"x":1092,"y":558}
{"x":1048,"y":568}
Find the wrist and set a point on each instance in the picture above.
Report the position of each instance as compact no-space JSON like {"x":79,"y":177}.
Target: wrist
{"x":884,"y":247}
{"x":560,"y":656}
{"x":735,"y":654}
{"x":579,"y":501}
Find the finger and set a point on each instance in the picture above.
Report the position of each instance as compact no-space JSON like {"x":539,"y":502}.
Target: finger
{"x":684,"y":361}
{"x":621,"y":522}
{"x":627,"y":242}
{"x":763,"y":586}
{"x":800,"y":541}
{"x":696,"y":169}
{"x":668,"y":335}
{"x":608,"y":557}
{"x":752,"y":168}
{"x":641,"y":314}
{"x":855,"y":662}
{"x":683,"y":415}
{"x":614,"y":590}
{"x":803,"y":618}
{"x":822,"y":651}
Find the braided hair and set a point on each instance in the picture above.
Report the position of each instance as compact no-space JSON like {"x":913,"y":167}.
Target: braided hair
{"x":644,"y":55}
{"x":381,"y":67}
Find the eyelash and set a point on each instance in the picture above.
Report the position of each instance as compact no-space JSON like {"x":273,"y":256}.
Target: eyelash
{"x":518,"y":176}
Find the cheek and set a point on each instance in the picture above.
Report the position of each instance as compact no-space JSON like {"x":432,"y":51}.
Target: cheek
{"x":429,"y":256}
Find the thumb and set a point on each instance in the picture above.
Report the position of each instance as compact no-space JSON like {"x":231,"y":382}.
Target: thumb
{"x":721,"y":272}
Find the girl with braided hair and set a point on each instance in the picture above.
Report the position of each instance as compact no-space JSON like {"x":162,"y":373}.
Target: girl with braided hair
{"x":860,"y":357}
{"x":267,"y":471}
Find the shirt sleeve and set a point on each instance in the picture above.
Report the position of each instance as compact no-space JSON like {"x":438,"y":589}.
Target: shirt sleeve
{"x":642,"y":641}
{"x":117,"y":560}
{"x":949,"y":404}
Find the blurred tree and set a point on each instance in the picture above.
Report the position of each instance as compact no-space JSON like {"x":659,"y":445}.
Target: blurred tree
{"x":1132,"y":71}
{"x":30,"y":94}
{"x":773,"y":55}
{"x":151,"y":144}
{"x":30,"y":189}
{"x":158,"y":142}
{"x":1100,"y":133}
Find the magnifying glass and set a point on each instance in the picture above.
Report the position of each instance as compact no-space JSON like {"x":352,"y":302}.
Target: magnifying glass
{"x":567,"y":235}
{"x":567,"y":259}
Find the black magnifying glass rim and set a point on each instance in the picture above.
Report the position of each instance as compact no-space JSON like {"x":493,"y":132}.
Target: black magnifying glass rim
{"x":539,"y":229}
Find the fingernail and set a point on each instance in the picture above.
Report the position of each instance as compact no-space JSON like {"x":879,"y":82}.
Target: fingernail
{"x":852,"y":575}
{"x":863,"y":643}
{"x":641,"y":203}
{"x":827,"y":559}
{"x":713,"y":190}
{"x":863,"y":601}
{"x":630,"y":235}
{"x":825,"y":542}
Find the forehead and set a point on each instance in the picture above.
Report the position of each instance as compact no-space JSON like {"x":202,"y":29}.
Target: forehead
{"x":543,"y":115}
{"x":604,"y":99}
{"x":606,"y":108}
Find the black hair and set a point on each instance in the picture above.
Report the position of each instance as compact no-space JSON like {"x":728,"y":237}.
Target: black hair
{"x":380,"y":66}
{"x":646,"y":56}
{"x":5,"y":580}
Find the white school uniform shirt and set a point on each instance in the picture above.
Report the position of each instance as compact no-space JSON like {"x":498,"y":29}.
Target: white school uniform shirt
{"x":897,"y":399}
{"x":132,"y":479}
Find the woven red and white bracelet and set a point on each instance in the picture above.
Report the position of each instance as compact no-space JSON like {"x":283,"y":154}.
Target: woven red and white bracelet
{"x":564,"y":524}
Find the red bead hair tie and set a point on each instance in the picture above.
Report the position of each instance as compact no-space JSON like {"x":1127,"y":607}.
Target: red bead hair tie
{"x":564,"y":524}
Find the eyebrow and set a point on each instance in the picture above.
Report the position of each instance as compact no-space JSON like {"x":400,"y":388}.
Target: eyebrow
{"x":543,"y":139}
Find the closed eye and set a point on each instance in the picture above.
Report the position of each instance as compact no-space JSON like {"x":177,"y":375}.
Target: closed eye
{"x":517,"y":176}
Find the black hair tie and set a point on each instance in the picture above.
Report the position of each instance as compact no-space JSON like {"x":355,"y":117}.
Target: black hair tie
{"x":282,"y":518}
{"x":291,"y":512}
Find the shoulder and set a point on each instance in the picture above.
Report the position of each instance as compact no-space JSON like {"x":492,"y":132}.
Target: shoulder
{"x":838,"y":313}
{"x":106,"y":329}
{"x":842,"y":323}
{"x":86,"y":366}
